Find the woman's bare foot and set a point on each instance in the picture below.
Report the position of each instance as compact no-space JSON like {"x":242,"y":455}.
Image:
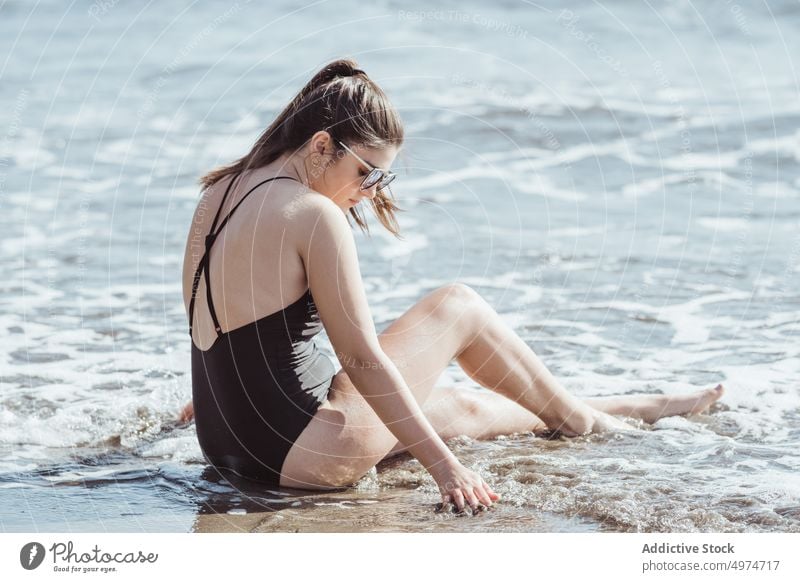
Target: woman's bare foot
{"x":652,"y":407}
{"x":693,"y":403}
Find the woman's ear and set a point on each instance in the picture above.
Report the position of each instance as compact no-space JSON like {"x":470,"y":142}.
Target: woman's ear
{"x":319,"y":152}
{"x":320,"y":143}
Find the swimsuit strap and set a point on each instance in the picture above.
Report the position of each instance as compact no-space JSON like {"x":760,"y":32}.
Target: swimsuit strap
{"x":209,"y":242}
{"x":204,"y":262}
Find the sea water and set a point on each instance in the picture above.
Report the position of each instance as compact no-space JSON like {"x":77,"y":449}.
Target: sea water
{"x":621,"y":182}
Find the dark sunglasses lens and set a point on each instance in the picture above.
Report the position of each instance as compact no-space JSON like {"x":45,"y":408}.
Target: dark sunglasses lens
{"x":387,"y":180}
{"x":372,"y":178}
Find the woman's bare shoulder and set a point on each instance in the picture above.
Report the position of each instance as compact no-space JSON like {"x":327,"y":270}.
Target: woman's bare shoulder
{"x":310,"y":209}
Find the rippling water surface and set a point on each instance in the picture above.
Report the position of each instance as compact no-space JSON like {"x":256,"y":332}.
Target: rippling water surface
{"x":621,"y":182}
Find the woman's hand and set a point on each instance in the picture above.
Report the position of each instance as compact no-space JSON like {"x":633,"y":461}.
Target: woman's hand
{"x":461,"y":486}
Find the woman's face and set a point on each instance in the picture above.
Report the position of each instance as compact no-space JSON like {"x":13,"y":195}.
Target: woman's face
{"x":338,"y":175}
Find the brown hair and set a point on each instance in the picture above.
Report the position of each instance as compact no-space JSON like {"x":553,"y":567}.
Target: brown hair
{"x":342,"y":100}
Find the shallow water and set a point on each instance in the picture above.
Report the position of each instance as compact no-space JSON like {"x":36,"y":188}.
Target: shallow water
{"x":628,"y":201}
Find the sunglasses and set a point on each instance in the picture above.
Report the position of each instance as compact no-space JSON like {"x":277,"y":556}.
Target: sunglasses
{"x":376,"y":175}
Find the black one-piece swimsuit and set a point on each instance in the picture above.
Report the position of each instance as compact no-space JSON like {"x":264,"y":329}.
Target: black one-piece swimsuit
{"x":258,"y":386}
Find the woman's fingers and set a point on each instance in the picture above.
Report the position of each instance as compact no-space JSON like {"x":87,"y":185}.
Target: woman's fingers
{"x":472,"y":500}
{"x":474,"y":492}
{"x":458,"y":499}
{"x":482,"y":495}
{"x":490,"y":492}
{"x":477,"y":499}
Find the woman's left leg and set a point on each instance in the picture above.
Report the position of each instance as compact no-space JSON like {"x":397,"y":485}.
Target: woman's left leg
{"x":483,"y":414}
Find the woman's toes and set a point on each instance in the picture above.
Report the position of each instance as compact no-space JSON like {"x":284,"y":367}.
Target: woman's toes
{"x":716,"y":393}
{"x":710,"y":396}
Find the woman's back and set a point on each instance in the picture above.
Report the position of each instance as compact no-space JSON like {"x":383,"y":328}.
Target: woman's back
{"x":260,"y":382}
{"x":255,"y":268}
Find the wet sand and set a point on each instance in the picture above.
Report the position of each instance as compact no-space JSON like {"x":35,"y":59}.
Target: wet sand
{"x":386,"y":512}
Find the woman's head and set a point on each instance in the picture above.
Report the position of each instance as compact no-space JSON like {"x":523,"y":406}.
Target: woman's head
{"x":340,"y":104}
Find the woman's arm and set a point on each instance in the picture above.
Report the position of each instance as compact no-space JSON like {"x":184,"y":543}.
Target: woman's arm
{"x":334,"y":277}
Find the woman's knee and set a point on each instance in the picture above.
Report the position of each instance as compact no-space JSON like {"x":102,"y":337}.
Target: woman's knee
{"x":461,"y":307}
{"x":457,"y":301}
{"x":469,"y":406}
{"x":455,"y":411}
{"x":460,"y":294}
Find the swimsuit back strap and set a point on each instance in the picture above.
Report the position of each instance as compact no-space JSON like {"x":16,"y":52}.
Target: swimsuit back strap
{"x":206,"y":259}
{"x":201,"y":264}
{"x":224,"y":198}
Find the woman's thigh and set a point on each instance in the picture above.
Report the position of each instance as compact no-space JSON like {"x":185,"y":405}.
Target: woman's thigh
{"x":346,"y":438}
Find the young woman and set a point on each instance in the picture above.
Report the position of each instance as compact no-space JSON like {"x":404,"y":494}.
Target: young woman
{"x":271,"y":259}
